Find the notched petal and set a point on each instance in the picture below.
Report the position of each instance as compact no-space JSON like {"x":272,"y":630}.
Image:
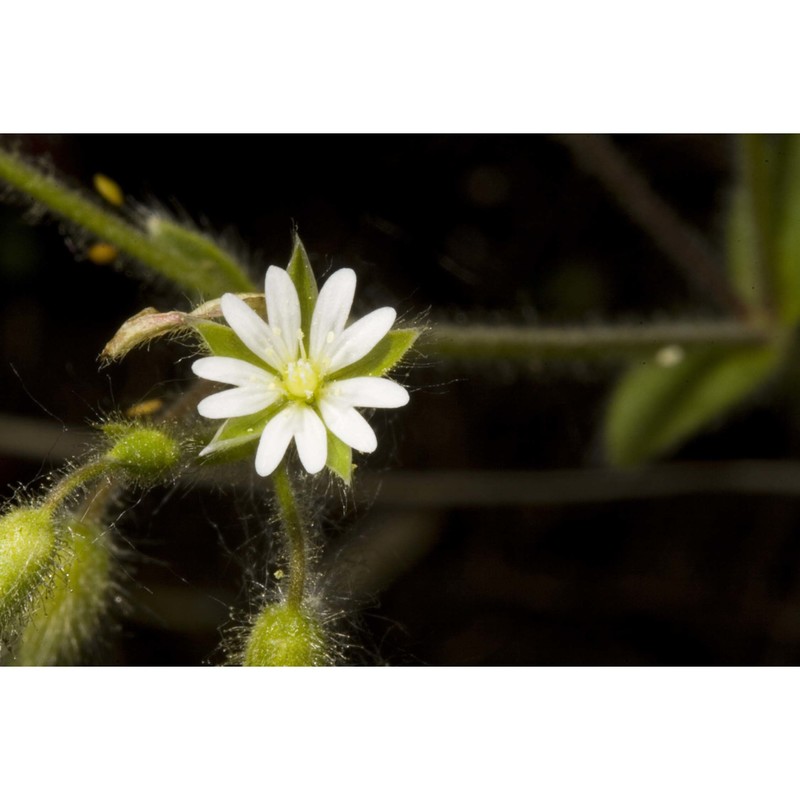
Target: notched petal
{"x":357,"y":340}
{"x":332,"y":310}
{"x":368,"y":393}
{"x":346,"y":423}
{"x":283,"y":310}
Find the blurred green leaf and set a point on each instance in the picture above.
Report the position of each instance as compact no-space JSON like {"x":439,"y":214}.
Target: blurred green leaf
{"x":751,"y":222}
{"x":787,"y":246}
{"x":656,"y":408}
{"x":743,"y":263}
{"x":204,"y":254}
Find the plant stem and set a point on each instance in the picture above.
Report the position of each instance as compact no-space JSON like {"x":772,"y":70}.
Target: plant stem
{"x":485,"y":342}
{"x":294,"y":528}
{"x":685,"y":246}
{"x":65,"y":487}
{"x":75,"y":207}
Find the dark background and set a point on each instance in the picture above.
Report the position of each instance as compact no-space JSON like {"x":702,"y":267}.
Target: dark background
{"x":467,"y":228}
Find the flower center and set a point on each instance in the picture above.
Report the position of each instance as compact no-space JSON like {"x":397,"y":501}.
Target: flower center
{"x":301,"y":380}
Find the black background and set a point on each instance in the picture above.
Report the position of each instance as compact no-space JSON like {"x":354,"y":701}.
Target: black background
{"x":464,"y":228}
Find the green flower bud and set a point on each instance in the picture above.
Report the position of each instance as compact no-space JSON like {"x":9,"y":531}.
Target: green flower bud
{"x":68,"y":614}
{"x":27,"y":551}
{"x":286,"y":636}
{"x":144,"y":453}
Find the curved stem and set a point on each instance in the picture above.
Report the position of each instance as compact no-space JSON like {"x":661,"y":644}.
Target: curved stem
{"x":209,"y":278}
{"x":65,"y":487}
{"x":294,"y":527}
{"x":685,"y":246}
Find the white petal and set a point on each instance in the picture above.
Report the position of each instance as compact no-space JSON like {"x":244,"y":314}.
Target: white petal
{"x":283,"y":310}
{"x":253,"y":331}
{"x":312,"y":440}
{"x":346,"y":423}
{"x":357,"y":340}
{"x":331,"y":311}
{"x":231,"y":370}
{"x":367,"y":393}
{"x":275,"y":439}
{"x":236,"y":402}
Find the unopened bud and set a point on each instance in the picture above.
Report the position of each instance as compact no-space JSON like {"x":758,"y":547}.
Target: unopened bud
{"x":27,"y":550}
{"x":286,"y":636}
{"x":68,"y":614}
{"x":144,"y":453}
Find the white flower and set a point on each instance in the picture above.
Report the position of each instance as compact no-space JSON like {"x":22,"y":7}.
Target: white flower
{"x":293,"y":375}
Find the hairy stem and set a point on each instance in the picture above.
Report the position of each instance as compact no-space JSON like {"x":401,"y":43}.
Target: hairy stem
{"x":482,"y":342}
{"x":72,"y":205}
{"x":294,"y":528}
{"x":65,"y":487}
{"x":685,"y":246}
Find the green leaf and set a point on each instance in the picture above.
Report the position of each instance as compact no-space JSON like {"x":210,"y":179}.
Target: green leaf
{"x":205,"y":255}
{"x":340,"y":458}
{"x":751,"y":233}
{"x":654,"y":409}
{"x":742,"y":251}
{"x":222,"y":341}
{"x":237,"y":437}
{"x":302,"y":276}
{"x":382,"y":357}
{"x":787,"y":247}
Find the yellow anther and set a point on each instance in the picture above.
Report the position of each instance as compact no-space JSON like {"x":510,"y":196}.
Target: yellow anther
{"x":301,"y":380}
{"x":102,"y":253}
{"x":109,"y":190}
{"x":144,"y":409}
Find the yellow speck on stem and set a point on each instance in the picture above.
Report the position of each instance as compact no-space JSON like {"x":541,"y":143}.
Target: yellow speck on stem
{"x":102,"y":253}
{"x":108,"y":189}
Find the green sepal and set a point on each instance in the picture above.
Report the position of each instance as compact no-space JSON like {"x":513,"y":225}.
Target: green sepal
{"x":223,"y":341}
{"x":340,"y":458}
{"x":382,"y":357}
{"x":206,"y":256}
{"x":654,"y":408}
{"x":302,"y":276}
{"x":237,"y":437}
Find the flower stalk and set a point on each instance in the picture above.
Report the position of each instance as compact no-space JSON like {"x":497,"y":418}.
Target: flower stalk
{"x":294,"y":528}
